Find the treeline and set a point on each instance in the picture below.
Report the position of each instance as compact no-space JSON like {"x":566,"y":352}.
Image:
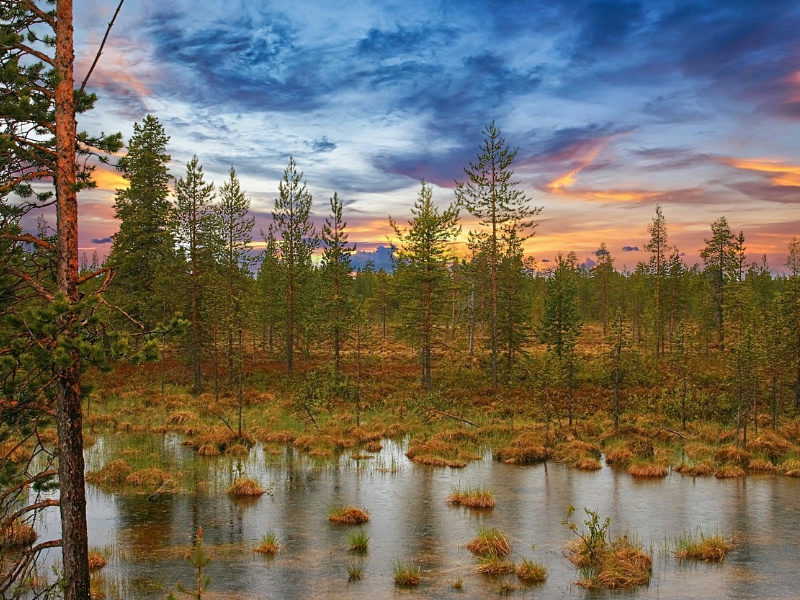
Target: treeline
{"x":192,"y":255}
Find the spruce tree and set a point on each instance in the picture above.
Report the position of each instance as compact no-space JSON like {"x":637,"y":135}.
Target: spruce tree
{"x":338,"y":304}
{"x":423,"y":252}
{"x":718,"y":259}
{"x":658,"y":270}
{"x":196,"y":232}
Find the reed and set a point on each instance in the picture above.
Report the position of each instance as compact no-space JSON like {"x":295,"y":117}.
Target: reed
{"x":406,"y":575}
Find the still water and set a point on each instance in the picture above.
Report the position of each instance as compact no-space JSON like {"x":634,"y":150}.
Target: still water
{"x":410,"y":521}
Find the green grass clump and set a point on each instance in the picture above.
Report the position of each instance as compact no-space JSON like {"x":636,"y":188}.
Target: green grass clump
{"x":477,"y":497}
{"x":489,"y":542}
{"x":269,"y":544}
{"x":406,"y":575}
{"x":355,"y":571}
{"x":709,"y":548}
{"x":358,"y":541}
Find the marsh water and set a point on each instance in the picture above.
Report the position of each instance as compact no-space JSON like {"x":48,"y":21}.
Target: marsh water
{"x":146,"y":541}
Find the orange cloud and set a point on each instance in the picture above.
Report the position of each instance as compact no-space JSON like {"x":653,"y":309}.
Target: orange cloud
{"x":108,"y":178}
{"x":781,"y":174}
{"x":586,"y":158}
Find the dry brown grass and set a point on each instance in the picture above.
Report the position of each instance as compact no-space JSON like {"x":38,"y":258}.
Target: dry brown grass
{"x":244,"y":487}
{"x":489,"y":543}
{"x":788,"y":465}
{"x":705,"y":548}
{"x":771,"y":445}
{"x":624,"y":566}
{"x":17,"y":535}
{"x":96,"y":561}
{"x":477,"y":497}
{"x":208,"y":450}
{"x":348,"y":515}
{"x":112,"y":473}
{"x":729,"y":472}
{"x":645,"y":469}
{"x":525,"y":449}
{"x":574,"y":450}
{"x":588,"y":463}
{"x":237,"y":450}
{"x":280,"y":437}
{"x":181,"y":417}
{"x":373,"y":447}
{"x":494,"y":565}
{"x":439,"y":453}
{"x":760,"y":465}
{"x":619,"y":457}
{"x":268,"y":545}
{"x":702,"y":468}
{"x":148,"y":477}
{"x":531,"y":572}
{"x":733,"y":455}
{"x":14,"y":452}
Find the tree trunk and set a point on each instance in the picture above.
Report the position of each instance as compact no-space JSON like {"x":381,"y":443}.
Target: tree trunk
{"x":68,"y":394}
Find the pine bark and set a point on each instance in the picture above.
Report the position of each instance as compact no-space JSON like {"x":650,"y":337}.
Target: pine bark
{"x":68,"y":411}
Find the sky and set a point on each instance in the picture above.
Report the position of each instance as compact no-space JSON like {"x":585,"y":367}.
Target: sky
{"x":615,"y":106}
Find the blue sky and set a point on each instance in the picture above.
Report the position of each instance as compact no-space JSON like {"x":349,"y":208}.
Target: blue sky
{"x":615,"y":105}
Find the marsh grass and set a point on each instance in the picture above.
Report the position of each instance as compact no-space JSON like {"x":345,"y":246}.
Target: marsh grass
{"x":406,"y":575}
{"x":244,"y":487}
{"x":729,"y":472}
{"x":269,"y":544}
{"x":348,"y":515}
{"x":358,"y":541}
{"x":472,"y":497}
{"x":112,"y":473}
{"x":489,"y":543}
{"x":494,"y":565}
{"x":647,"y":469}
{"x":702,"y":547}
{"x":506,"y":587}
{"x":531,"y":572}
{"x":355,"y":570}
{"x":97,"y":559}
{"x":17,"y":535}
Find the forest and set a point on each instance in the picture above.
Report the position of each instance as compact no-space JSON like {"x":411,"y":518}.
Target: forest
{"x":198,"y":325}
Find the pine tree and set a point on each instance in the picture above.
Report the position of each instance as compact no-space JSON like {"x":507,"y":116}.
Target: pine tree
{"x":658,"y":269}
{"x":494,"y":198}
{"x":195,"y":230}
{"x":338,"y":305}
{"x":619,"y":342}
{"x":514,"y":301}
{"x":423,"y":253}
{"x":297,"y":241}
{"x":269,"y":290}
{"x":718,"y":258}
{"x":602,"y":278}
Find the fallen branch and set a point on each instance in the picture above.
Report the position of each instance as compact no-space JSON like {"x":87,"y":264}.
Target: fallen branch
{"x":679,"y":434}
{"x":441,"y":412}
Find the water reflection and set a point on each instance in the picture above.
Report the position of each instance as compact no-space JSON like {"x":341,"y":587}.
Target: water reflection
{"x":411,"y":521}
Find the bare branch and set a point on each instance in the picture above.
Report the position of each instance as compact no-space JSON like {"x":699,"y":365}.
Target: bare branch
{"x":32,"y":282}
{"x":28,"y":239}
{"x":102,"y":44}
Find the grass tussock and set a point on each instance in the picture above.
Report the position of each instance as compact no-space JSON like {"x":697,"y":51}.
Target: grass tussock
{"x":208,"y":450}
{"x":729,"y":472}
{"x":237,"y":450}
{"x":702,"y":547}
{"x":771,"y":445}
{"x":17,"y":535}
{"x":112,"y":473}
{"x":358,"y":541}
{"x":619,"y":457}
{"x":588,"y":463}
{"x":730,"y":454}
{"x":525,"y":449}
{"x":244,"y":487}
{"x":406,"y":575}
{"x":478,"y":497}
{"x":788,"y":465}
{"x":701,"y":469}
{"x":624,"y":566}
{"x":647,"y":469}
{"x":268,"y":545}
{"x":494,"y":565}
{"x":280,"y":437}
{"x":531,"y":572}
{"x":489,"y":542}
{"x":148,"y":477}
{"x":760,"y":465}
{"x":355,"y":571}
{"x":439,"y":453}
{"x":373,"y":447}
{"x":96,"y":561}
{"x":576,"y":452}
{"x":348,"y":515}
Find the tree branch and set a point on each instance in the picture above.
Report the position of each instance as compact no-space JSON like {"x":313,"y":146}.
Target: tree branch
{"x":29,"y":239}
{"x":32,"y":282}
{"x":102,"y":44}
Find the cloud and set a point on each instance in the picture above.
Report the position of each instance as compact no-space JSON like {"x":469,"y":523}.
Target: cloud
{"x":104,"y":240}
{"x":630,"y":248}
{"x":780,"y":173}
{"x":322,"y":145}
